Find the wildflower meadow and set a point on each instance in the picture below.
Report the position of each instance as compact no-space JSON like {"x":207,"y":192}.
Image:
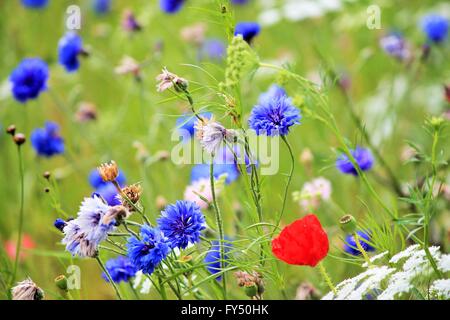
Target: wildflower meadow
{"x":224,"y":150}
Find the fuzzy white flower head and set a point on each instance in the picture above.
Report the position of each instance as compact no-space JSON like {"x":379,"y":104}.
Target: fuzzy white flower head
{"x":168,"y":79}
{"x":27,"y":290}
{"x":211,"y":134}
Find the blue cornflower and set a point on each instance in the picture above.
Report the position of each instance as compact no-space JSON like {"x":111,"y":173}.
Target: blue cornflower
{"x":350,"y":243}
{"x":35,"y":4}
{"x":435,"y":27}
{"x":394,"y":44}
{"x":146,"y":253}
{"x":69,"y":48}
{"x":212,"y":258}
{"x":46,"y":141}
{"x":101,"y":6}
{"x":182,"y":223}
{"x":200,"y":171}
{"x":186,"y":124}
{"x":239,"y":1}
{"x":212,"y":49}
{"x":120,"y":269}
{"x":363,"y":158}
{"x":171,"y":6}
{"x":274,"y":114}
{"x":29,"y":79}
{"x":59,"y":224}
{"x":84,"y":234}
{"x":274,"y":92}
{"x":109,"y":193}
{"x":248,"y":30}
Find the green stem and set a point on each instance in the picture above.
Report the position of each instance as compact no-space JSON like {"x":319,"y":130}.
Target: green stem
{"x":327,"y":278}
{"x":286,"y":190}
{"x":427,"y":211}
{"x":109,"y":277}
{"x":22,"y":195}
{"x":219,"y":223}
{"x":134,"y":291}
{"x":162,"y":289}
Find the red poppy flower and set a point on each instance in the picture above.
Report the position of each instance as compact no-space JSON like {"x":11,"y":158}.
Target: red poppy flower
{"x":303,"y":242}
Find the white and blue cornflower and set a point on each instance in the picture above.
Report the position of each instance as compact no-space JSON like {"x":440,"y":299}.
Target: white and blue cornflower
{"x":84,"y":234}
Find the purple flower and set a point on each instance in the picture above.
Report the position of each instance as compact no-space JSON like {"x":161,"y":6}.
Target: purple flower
{"x":212,"y":49}
{"x":171,"y":6}
{"x":351,"y":247}
{"x":35,"y":4}
{"x":248,"y":30}
{"x":363,"y":158}
{"x":147,"y":252}
{"x":29,"y":79}
{"x":46,"y":141}
{"x":69,"y":48}
{"x":435,"y":27}
{"x":274,"y":114}
{"x":120,"y":269}
{"x":182,"y":223}
{"x":101,"y":6}
{"x":395,"y":45}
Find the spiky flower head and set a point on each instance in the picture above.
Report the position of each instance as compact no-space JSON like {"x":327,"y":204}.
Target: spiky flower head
{"x":211,"y":134}
{"x":108,"y":171}
{"x":27,"y":290}
{"x":168,"y":80}
{"x":182,"y":223}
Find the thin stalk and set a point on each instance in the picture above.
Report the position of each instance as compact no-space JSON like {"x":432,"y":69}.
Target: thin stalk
{"x":21,"y":213}
{"x":219,"y":223}
{"x":109,"y":277}
{"x":361,"y":249}
{"x":286,"y":190}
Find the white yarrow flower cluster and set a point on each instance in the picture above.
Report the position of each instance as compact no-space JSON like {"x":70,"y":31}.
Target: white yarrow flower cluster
{"x":404,"y":272}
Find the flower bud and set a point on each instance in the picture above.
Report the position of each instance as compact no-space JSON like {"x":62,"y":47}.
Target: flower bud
{"x":11,"y":130}
{"x":108,"y":171}
{"x":348,"y":224}
{"x":19,"y":138}
{"x":61,"y":282}
{"x":46,"y":175}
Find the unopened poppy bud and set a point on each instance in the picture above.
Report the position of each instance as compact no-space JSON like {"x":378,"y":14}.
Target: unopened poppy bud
{"x":348,"y":224}
{"x":61,"y":282}
{"x":251,"y":289}
{"x":11,"y":130}
{"x":19,"y":138}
